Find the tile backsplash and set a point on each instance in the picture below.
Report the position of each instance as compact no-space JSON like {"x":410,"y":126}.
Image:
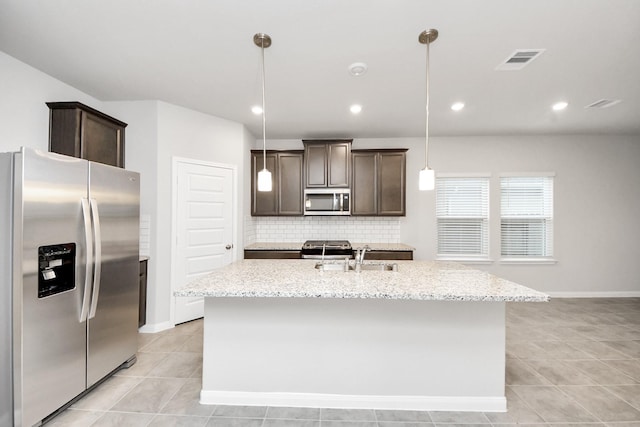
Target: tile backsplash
{"x":299,"y":229}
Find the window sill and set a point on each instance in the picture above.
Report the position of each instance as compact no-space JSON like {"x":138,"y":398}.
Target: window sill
{"x":537,"y":261}
{"x":474,"y":261}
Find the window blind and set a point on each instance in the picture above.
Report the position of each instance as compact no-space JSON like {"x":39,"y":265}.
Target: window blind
{"x":462,"y":212}
{"x":526,"y":218}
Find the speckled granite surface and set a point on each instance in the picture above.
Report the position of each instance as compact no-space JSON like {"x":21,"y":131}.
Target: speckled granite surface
{"x":415,"y":280}
{"x":294,"y":246}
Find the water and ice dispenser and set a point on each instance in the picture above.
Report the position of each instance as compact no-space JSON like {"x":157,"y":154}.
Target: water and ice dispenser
{"x":56,"y":269}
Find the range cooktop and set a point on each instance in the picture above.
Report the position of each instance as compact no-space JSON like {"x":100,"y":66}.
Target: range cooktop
{"x":327,"y":244}
{"x":326,"y":249}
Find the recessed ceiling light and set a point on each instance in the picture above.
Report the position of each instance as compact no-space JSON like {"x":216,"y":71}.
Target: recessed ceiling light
{"x":355,"y":108}
{"x":559,"y":106}
{"x":358,"y":68}
{"x":457,"y":106}
{"x":256,"y":109}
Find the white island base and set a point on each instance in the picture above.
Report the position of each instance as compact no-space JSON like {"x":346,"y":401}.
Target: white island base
{"x":354,"y":353}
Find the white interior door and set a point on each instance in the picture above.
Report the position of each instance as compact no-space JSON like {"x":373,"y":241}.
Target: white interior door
{"x":203,"y":227}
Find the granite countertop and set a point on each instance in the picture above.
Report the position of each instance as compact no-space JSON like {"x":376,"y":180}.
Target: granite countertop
{"x":296,"y":246}
{"x":414,"y":280}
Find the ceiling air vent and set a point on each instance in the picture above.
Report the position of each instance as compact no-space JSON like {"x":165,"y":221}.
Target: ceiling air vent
{"x":518,"y":59}
{"x":604,"y":103}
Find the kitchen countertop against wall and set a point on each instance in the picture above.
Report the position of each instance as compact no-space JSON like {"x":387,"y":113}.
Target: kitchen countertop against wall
{"x":383,"y":246}
{"x":294,"y":246}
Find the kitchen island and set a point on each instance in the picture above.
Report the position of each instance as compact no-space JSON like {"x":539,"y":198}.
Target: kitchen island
{"x":429,"y":336}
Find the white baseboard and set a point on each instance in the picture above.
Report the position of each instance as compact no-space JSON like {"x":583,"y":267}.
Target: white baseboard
{"x":152,"y":328}
{"x":318,"y":400}
{"x":624,"y":294}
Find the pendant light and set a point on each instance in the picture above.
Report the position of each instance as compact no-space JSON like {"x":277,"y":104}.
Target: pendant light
{"x":427,"y":176}
{"x":264,"y":176}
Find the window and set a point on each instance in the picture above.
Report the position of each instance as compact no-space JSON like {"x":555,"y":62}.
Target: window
{"x":526,"y":219}
{"x":462,"y":211}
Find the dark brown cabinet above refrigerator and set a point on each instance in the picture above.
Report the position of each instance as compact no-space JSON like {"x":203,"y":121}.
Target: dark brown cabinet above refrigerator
{"x":327,"y":163}
{"x":378,"y":186}
{"x":81,"y":131}
{"x":285,"y":198}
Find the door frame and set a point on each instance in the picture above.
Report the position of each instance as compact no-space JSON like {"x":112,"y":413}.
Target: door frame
{"x":175,"y":161}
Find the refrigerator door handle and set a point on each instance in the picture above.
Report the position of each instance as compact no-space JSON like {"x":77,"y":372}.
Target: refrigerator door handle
{"x":88,"y":241}
{"x":97,"y":270}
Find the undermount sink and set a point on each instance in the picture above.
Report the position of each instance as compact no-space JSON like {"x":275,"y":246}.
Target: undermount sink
{"x":379,"y":267}
{"x":341,"y":266}
{"x":332,"y":266}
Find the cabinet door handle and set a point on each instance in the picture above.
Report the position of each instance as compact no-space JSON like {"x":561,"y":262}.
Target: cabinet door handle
{"x":228,"y":247}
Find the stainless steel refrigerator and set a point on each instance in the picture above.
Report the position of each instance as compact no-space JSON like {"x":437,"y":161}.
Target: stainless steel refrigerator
{"x":69,"y":271}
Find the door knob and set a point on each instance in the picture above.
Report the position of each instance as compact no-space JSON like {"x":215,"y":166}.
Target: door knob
{"x":228,"y":247}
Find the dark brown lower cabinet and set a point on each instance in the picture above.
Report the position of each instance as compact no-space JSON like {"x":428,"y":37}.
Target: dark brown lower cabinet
{"x":379,"y":182}
{"x":270,"y":254}
{"x":286,"y":254}
{"x":142,"y":314}
{"x":389,"y":255}
{"x":286,"y":169}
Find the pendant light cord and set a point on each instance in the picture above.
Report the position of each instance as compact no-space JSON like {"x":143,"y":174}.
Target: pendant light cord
{"x":426,"y":144}
{"x":264,"y":118}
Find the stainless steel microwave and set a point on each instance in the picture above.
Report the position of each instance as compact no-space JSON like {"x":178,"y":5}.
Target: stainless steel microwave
{"x":327,"y":201}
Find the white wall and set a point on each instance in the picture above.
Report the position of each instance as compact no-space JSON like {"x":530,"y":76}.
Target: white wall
{"x":23,"y":94}
{"x":190,"y":134}
{"x":597,"y":203}
{"x":161,"y":132}
{"x":155,"y":133}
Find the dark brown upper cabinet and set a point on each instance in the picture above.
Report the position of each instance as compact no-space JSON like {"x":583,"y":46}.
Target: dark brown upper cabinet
{"x":378,"y":183}
{"x":327,"y":163}
{"x":285,"y":198}
{"x":81,"y":131}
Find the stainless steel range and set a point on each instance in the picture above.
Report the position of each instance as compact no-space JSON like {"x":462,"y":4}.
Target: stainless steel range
{"x":326,"y":249}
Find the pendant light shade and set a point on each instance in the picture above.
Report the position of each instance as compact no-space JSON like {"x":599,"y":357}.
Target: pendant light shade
{"x":427,"y":178}
{"x":265,"y":182}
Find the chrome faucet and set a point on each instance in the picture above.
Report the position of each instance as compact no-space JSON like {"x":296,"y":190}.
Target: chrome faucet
{"x":360,"y":256}
{"x":324,"y":246}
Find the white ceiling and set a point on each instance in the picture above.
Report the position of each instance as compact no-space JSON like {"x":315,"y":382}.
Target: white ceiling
{"x":200,"y":54}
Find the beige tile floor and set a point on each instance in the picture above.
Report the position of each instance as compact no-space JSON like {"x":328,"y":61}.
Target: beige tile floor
{"x":570,"y":362}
